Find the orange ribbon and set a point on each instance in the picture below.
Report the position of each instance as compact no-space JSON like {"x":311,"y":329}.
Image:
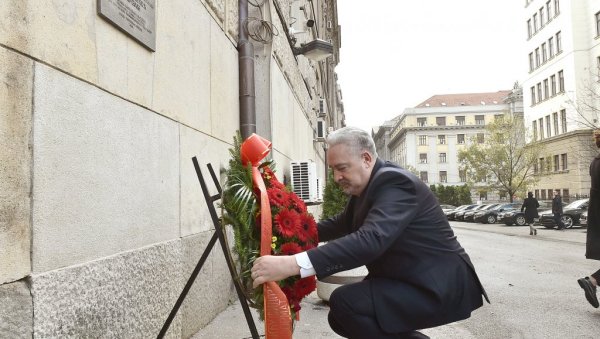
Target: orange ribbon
{"x":278,"y":320}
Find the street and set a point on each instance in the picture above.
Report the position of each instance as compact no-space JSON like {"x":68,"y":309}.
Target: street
{"x":531,"y":282}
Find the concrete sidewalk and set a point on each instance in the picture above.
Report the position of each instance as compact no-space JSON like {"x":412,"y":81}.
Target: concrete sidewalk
{"x":231,"y":324}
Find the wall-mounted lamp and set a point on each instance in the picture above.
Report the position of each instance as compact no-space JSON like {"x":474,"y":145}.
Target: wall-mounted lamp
{"x":316,"y":50}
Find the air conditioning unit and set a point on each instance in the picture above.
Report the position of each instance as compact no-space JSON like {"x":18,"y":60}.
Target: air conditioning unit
{"x":304,"y":180}
{"x":322,"y":110}
{"x":320,"y":133}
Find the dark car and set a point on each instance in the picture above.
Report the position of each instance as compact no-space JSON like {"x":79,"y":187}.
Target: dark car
{"x":470,"y":216}
{"x":451,"y":214}
{"x":460,"y":216}
{"x":490,"y":216}
{"x":583,"y":219}
{"x":570,"y":217}
{"x":516,"y":217}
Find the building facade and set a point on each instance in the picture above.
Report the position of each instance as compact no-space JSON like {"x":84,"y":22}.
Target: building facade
{"x":102,"y":219}
{"x":561,"y":91}
{"x":428,"y":137}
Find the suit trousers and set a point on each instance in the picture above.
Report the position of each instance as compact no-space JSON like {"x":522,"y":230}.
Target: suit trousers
{"x":557,"y":219}
{"x":352,"y":313}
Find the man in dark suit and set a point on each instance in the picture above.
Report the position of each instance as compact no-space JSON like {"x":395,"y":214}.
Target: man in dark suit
{"x":419,"y":275}
{"x":557,"y":210}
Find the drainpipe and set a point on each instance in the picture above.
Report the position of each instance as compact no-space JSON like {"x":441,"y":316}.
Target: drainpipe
{"x":246,"y":75}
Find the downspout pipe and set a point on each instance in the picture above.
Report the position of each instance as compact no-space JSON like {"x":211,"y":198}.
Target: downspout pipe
{"x":246,"y":75}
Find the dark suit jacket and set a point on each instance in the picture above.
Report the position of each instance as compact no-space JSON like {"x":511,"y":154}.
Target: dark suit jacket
{"x":398,"y":230}
{"x":530,"y":205}
{"x":557,"y":204}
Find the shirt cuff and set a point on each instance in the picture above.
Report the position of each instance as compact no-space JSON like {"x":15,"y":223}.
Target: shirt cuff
{"x":306,"y":267}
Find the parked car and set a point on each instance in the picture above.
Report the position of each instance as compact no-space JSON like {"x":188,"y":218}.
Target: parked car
{"x":516,"y":217}
{"x":571,"y":214}
{"x":490,"y":216}
{"x":583,"y":219}
{"x":446,"y":208}
{"x":451,"y":214}
{"x":470,"y":216}
{"x":460,"y":216}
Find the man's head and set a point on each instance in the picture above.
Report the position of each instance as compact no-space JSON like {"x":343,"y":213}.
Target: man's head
{"x":351,"y":155}
{"x":556,"y":192}
{"x":597,"y":137}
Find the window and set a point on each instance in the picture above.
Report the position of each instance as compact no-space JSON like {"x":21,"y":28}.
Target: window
{"x":480,"y":138}
{"x":532,"y":95}
{"x":556,"y":7}
{"x":460,"y":138}
{"x":529,"y":30}
{"x":422,"y":140}
{"x":539,"y":91}
{"x":479,"y":120}
{"x":550,"y":193}
{"x":535,"y":170}
{"x":558,"y":43}
{"x":423,"y":158}
{"x":564,"y":162}
{"x":441,"y":139}
{"x":551,"y":47}
{"x":483,"y":195}
{"x":555,"y":122}
{"x":462,"y":174}
{"x":598,"y":67}
{"x":597,"y":15}
{"x":460,"y":120}
{"x":443,"y":158}
{"x":548,"y":164}
{"x":556,"y":164}
{"x":565,"y":194}
{"x":548,"y":11}
{"x":544,"y":53}
{"x":546,"y":94}
{"x":561,"y":82}
{"x":440,"y":121}
{"x":535,"y":23}
{"x":548,"y":127}
{"x":541,"y":165}
{"x":543,"y":194}
{"x":541,"y":125}
{"x":537,"y":57}
{"x":563,"y":120}
{"x":531,"y":65}
{"x":423,"y":176}
{"x":553,"y":85}
{"x":421,"y":122}
{"x":443,"y":176}
{"x":542,"y":17}
{"x":534,"y":130}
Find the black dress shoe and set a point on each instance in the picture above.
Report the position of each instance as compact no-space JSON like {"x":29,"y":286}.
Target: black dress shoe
{"x":590,"y":291}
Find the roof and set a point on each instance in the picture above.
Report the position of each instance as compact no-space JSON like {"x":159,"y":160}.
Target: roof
{"x":465,"y":99}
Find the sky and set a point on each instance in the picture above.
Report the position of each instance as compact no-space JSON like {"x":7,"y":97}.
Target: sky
{"x":396,"y":54}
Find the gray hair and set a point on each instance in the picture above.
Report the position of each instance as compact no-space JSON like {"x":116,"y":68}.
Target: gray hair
{"x":355,"y":138}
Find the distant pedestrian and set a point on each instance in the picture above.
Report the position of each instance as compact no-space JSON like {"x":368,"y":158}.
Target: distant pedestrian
{"x":557,"y":210}
{"x":592,"y":248}
{"x":530,"y":205}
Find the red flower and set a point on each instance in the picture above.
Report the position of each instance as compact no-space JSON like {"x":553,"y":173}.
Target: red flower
{"x":290,"y":248}
{"x":277,"y":197}
{"x":308,"y":228}
{"x":297,"y":203}
{"x":304,"y":287}
{"x":270,"y":178}
{"x":287,"y":222}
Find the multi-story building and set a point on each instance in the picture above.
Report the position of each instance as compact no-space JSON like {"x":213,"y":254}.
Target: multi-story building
{"x":563,"y":55}
{"x":428,"y":137}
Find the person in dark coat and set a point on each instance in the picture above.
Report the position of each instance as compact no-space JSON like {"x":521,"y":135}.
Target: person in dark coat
{"x":419,"y":274}
{"x":557,"y":210}
{"x":592,"y":245}
{"x":530,"y":205}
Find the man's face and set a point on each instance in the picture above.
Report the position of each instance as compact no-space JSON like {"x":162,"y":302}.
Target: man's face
{"x":350,"y":170}
{"x":555,"y":193}
{"x":597,"y":138}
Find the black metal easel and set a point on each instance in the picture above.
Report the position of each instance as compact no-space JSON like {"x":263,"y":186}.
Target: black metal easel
{"x":220,"y":235}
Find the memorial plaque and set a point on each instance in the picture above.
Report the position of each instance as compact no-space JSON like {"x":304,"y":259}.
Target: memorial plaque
{"x":135,"y":17}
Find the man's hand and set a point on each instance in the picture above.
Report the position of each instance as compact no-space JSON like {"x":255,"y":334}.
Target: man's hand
{"x":273,"y":268}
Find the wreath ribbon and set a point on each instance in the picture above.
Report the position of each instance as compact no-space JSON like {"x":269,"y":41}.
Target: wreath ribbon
{"x":278,"y":320}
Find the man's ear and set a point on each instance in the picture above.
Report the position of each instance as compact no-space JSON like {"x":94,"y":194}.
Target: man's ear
{"x":367,"y":157}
